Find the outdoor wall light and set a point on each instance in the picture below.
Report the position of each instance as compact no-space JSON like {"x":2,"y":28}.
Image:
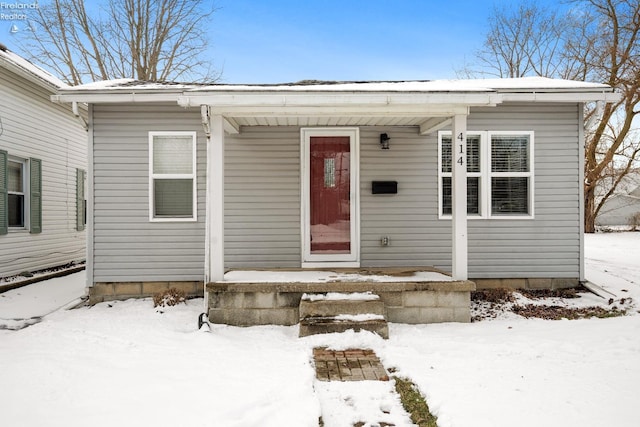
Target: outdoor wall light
{"x":384,"y":141}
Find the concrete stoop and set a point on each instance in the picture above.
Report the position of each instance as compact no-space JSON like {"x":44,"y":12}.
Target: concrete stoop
{"x":320,"y":314}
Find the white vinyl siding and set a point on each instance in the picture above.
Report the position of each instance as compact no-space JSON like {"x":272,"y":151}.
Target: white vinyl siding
{"x":4,"y":193}
{"x":52,"y":143}
{"x":544,"y":246}
{"x":262,"y":198}
{"x":126,"y":245}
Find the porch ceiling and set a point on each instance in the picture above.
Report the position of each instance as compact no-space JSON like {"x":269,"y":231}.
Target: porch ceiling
{"x":234,"y":123}
{"x":327,"y":121}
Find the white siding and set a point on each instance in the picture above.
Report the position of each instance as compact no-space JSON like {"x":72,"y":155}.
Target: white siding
{"x":33,"y":126}
{"x":408,"y":218}
{"x":126,"y":245}
{"x":262,"y":199}
{"x":547,"y":246}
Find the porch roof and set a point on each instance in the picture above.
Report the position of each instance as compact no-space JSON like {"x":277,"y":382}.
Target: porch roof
{"x":426,"y":103}
{"x":313,"y":93}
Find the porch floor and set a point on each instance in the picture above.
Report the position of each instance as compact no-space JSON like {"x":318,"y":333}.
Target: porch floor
{"x":385,"y":279}
{"x":272,"y":296}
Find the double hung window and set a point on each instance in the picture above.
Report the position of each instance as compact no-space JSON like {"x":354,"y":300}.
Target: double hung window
{"x":172,"y":177}
{"x":474,"y":175}
{"x":17,"y":191}
{"x":20,"y":194}
{"x":499,"y":174}
{"x":81,"y":199}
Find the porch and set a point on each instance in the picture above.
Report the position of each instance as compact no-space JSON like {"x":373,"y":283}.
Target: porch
{"x":272,"y":296}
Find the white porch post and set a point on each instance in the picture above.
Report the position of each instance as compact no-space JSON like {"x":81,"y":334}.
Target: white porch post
{"x":215,"y":201}
{"x":459,"y":198}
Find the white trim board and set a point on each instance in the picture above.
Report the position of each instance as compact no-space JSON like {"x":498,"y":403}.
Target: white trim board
{"x":327,"y":260}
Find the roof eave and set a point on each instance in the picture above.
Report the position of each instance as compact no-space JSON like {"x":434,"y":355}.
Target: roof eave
{"x":115,"y":97}
{"x":608,"y":96}
{"x":235,"y":98}
{"x":26,"y":74}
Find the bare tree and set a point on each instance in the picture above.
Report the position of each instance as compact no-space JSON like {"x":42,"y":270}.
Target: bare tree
{"x":143,"y":39}
{"x":520,"y":42}
{"x":614,"y":58}
{"x":596,"y":40}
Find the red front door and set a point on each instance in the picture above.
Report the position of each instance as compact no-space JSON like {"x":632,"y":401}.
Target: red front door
{"x":330,"y":219}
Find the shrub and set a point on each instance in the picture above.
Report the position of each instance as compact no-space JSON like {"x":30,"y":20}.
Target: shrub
{"x":634,"y":221}
{"x":170,"y":297}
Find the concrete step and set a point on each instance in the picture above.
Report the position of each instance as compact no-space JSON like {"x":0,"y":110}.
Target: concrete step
{"x":337,"y":312}
{"x":334,"y":307}
{"x":327,"y":325}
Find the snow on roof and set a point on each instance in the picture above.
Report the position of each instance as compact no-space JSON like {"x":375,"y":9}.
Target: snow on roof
{"x":6,"y":56}
{"x":527,"y":84}
{"x":129,"y":83}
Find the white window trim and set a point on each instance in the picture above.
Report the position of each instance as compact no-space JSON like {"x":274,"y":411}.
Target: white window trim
{"x":530,"y":174}
{"x":26,"y":188}
{"x":327,"y":260}
{"x":192,"y":176}
{"x":483,"y":164}
{"x":486,"y":174}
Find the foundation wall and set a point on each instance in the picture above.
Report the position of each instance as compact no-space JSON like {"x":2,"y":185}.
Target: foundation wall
{"x":110,"y":291}
{"x":245,"y":304}
{"x":538,"y":283}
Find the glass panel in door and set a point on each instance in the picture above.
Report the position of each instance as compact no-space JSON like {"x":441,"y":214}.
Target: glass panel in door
{"x":330,"y":219}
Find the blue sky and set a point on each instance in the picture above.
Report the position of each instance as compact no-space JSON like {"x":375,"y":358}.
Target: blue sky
{"x":291,"y":40}
{"x":274,"y":41}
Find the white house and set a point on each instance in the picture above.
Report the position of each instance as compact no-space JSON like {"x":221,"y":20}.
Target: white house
{"x":478,"y":179}
{"x":622,"y":206}
{"x":43,"y":161}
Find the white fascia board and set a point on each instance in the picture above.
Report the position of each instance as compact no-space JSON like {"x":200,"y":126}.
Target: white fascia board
{"x":115,"y":97}
{"x":561,"y":97}
{"x":351,"y":110}
{"x":16,"y":69}
{"x":336,"y":100}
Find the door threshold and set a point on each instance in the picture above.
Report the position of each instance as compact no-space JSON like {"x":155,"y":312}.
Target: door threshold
{"x":330,"y":264}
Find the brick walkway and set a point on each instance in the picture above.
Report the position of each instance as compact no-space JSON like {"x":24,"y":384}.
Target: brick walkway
{"x":348,"y":365}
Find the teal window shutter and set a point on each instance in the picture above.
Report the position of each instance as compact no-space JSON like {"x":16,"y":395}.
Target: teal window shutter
{"x":35,"y":195}
{"x":80,"y":200}
{"x":4,"y":194}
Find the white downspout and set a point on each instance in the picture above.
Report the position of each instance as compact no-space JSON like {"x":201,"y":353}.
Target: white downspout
{"x":581,"y":160}
{"x":206,"y":125}
{"x":76,"y":112}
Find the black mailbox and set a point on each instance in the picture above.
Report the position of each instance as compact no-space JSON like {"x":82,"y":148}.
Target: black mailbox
{"x":384,"y":187}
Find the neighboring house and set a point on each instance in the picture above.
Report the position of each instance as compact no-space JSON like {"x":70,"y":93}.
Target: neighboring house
{"x":190,"y":181}
{"x":43,"y":161}
{"x":620,"y":209}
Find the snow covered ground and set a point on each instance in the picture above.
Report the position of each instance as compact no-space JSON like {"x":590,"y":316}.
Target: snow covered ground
{"x":129,"y":364}
{"x":27,"y":305}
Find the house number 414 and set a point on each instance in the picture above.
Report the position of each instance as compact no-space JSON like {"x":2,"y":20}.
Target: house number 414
{"x":460,"y":160}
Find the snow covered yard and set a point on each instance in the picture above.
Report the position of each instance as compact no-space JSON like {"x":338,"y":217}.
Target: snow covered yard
{"x":128,"y":364}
